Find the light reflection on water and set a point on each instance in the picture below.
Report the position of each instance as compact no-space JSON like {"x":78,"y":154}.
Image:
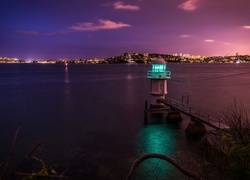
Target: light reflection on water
{"x":68,"y":102}
{"x":157,"y":139}
{"x":160,"y":139}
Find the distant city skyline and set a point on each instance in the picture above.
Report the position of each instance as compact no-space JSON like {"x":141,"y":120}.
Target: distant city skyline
{"x":74,"y":29}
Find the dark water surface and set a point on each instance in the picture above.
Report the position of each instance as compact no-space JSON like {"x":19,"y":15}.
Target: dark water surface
{"x":90,"y":117}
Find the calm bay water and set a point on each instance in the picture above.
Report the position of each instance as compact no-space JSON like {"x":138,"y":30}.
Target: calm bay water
{"x":90,"y":117}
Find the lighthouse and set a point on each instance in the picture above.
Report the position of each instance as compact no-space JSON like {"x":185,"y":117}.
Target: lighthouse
{"x":158,"y":76}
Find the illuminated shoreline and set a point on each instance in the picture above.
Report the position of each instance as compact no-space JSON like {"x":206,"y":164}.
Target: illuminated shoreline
{"x":136,"y":58}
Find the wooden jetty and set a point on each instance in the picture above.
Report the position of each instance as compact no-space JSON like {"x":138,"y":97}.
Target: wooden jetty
{"x":196,"y":115}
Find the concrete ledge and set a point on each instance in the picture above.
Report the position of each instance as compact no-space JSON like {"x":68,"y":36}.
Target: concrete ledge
{"x":156,"y":106}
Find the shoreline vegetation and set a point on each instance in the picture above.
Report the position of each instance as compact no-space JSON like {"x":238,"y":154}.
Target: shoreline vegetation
{"x":13,"y":172}
{"x":136,"y":58}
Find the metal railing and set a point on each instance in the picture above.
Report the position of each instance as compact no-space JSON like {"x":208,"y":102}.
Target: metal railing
{"x":159,"y":75}
{"x":204,"y":117}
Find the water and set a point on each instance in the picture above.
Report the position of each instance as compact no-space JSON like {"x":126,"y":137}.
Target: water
{"x":90,"y":117}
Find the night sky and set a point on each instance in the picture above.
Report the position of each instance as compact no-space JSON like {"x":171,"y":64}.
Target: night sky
{"x":74,"y":29}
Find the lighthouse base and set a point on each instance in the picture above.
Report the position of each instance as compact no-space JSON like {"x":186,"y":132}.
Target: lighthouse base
{"x":155,"y":106}
{"x":154,"y":101}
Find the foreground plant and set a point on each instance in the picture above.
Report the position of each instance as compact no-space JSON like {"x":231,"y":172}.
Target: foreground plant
{"x":46,"y":172}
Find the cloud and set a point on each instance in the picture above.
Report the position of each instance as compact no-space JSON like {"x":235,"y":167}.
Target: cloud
{"x":245,"y":27}
{"x":103,"y":24}
{"x":27,"y":32}
{"x":227,"y":43}
{"x":35,"y":32}
{"x":120,"y":5}
{"x":190,"y":5}
{"x":50,"y":33}
{"x":185,"y":36}
{"x":209,"y":40}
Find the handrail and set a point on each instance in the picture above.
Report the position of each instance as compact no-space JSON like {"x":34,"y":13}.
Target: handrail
{"x":159,"y":75}
{"x":195,"y":113}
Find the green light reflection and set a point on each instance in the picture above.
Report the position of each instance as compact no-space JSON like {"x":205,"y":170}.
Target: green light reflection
{"x":157,"y":139}
{"x":161,"y":139}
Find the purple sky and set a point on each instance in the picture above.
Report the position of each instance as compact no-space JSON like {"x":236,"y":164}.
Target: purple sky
{"x":73,"y":29}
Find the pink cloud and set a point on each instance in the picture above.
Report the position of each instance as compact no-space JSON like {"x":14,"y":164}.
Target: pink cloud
{"x":185,"y":36}
{"x":27,"y":32}
{"x":121,"y":5}
{"x":245,"y":27}
{"x":103,"y":24}
{"x":190,"y":5}
{"x":209,"y":40}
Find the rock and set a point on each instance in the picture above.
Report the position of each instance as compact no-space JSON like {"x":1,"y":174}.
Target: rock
{"x":195,"y":128}
{"x":173,"y":116}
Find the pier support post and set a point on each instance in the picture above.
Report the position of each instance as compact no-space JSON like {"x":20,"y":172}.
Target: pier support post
{"x":173,"y":116}
{"x":195,"y":128}
{"x":146,"y":113}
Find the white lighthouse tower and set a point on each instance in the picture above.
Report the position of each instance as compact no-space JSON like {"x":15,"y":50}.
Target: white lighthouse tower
{"x":158,"y":82}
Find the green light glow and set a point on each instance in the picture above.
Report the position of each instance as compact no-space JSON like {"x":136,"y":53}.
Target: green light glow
{"x":158,"y":67}
{"x":158,"y":139}
{"x":158,"y":71}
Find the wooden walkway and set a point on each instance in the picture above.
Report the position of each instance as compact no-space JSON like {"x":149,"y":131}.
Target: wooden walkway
{"x":208,"y":119}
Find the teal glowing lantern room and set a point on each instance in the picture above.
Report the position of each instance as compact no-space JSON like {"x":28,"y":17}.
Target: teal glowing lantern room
{"x":158,"y":76}
{"x":159,"y":70}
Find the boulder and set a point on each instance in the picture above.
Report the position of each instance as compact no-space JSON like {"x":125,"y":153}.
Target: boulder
{"x":195,"y":128}
{"x":173,"y":116}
